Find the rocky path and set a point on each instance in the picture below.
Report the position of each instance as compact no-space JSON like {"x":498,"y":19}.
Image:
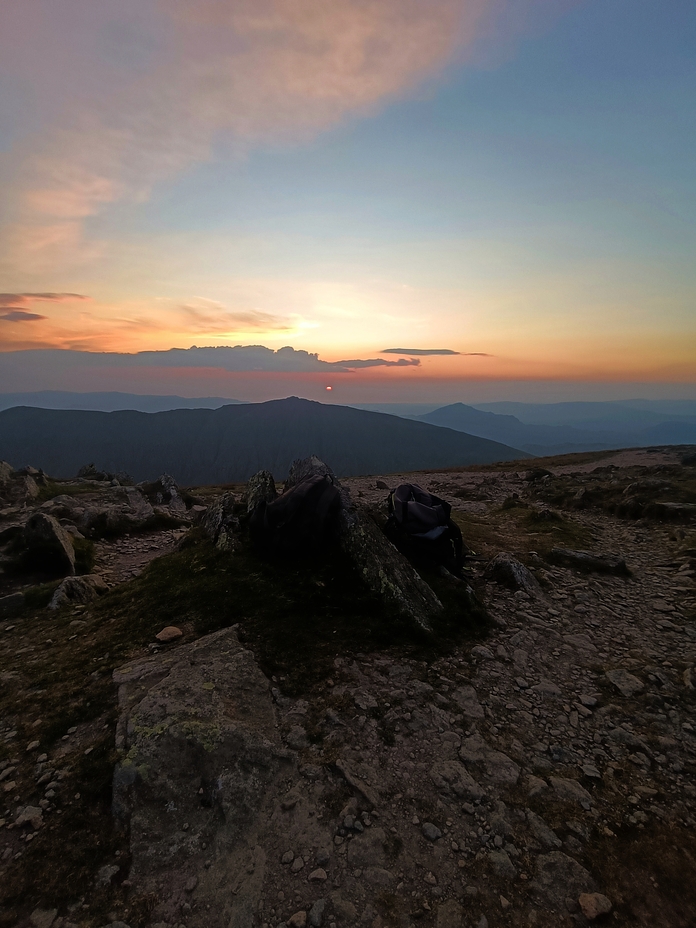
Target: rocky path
{"x":124,"y":558}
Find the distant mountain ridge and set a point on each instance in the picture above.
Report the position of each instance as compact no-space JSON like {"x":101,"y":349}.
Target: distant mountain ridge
{"x":607,"y":425}
{"x":229,"y":444}
{"x":110,"y":401}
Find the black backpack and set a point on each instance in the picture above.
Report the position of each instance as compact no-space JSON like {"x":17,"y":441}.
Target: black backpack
{"x":420,"y":526}
{"x":299,"y":523}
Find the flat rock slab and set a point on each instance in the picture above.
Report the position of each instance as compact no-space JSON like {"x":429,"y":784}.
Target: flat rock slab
{"x":595,"y":563}
{"x":625,"y":682}
{"x":199,"y":778}
{"x":559,"y":877}
{"x":452,"y":778}
{"x":570,"y":791}
{"x":498,"y":767}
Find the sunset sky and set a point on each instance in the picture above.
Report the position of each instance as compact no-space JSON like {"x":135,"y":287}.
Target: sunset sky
{"x":508,"y":183}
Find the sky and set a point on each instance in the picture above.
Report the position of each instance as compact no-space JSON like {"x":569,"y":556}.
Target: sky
{"x":394,"y":199}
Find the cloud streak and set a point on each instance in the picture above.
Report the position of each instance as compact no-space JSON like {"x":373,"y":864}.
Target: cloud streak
{"x":25,"y":299}
{"x":417,"y":352}
{"x":19,"y":315}
{"x":209,"y":71}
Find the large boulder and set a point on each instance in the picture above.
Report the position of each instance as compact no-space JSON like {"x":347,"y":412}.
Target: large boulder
{"x":47,"y":546}
{"x":199,"y":779}
{"x":384,"y":569}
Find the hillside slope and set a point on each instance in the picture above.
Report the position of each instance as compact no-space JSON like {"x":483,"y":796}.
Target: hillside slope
{"x":231,"y":443}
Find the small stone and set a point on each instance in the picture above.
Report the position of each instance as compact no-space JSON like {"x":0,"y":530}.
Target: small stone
{"x":32,"y":746}
{"x":502,"y":865}
{"x":43,"y":918}
{"x":297,"y":738}
{"x":594,"y":904}
{"x":287,"y":857}
{"x":536,"y":786}
{"x":591,"y":771}
{"x":31,"y":815}
{"x":316,"y":913}
{"x":106,"y":873}
{"x":570,"y":790}
{"x":298,"y":920}
{"x":170,"y":633}
{"x":430,"y":831}
{"x":317,"y":876}
{"x":625,"y":682}
{"x":297,"y":864}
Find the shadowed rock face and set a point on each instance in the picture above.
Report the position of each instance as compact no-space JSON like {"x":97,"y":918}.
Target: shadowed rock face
{"x":221,"y":524}
{"x":385,"y":570}
{"x":198,"y":740}
{"x":49,"y":545}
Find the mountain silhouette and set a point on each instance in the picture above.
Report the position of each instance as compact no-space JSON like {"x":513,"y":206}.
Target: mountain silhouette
{"x":227,"y":445}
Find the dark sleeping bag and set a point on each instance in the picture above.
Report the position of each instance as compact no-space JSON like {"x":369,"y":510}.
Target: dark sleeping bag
{"x":298,"y":524}
{"x":420,"y":526}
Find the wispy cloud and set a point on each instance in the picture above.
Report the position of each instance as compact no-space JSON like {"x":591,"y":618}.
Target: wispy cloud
{"x":210,"y":317}
{"x":245,"y":72}
{"x":25,"y":299}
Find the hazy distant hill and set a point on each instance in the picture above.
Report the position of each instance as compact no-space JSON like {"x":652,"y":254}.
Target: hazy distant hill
{"x":608,"y":414}
{"x":558,"y":428}
{"x":536,"y":439}
{"x":110,"y":401}
{"x":200,"y":446}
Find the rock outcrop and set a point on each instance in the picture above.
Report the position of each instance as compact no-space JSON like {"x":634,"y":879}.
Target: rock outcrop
{"x":47,"y":546}
{"x":260,"y":488}
{"x":117,"y":511}
{"x":198,"y":739}
{"x":384,"y":569}
{"x":221,"y":523}
{"x":77,"y":590}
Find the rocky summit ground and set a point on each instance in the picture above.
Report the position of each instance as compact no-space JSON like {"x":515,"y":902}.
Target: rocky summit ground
{"x":293,"y":756}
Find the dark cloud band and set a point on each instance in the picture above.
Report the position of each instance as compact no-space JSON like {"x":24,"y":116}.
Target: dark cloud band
{"x":19,"y":315}
{"x":237,"y":359}
{"x":416,"y":352}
